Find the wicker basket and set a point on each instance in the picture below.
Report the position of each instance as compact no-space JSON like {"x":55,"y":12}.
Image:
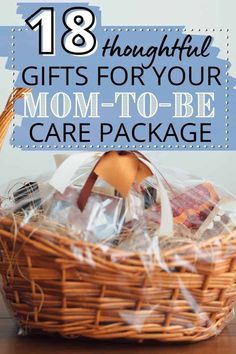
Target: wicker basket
{"x":7,"y":115}
{"x":76,"y":289}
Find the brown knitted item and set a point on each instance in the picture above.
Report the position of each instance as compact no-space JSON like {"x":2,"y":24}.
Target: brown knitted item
{"x":72,"y":288}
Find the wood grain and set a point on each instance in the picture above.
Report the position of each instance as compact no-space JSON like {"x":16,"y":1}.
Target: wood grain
{"x":4,"y":312}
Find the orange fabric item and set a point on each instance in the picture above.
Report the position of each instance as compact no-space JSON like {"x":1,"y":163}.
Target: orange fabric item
{"x":121,"y":170}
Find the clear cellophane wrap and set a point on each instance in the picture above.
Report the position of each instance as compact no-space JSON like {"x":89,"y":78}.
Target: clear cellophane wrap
{"x":150,"y":240}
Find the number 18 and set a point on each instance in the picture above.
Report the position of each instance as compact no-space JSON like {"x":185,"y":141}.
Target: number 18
{"x":78,"y":39}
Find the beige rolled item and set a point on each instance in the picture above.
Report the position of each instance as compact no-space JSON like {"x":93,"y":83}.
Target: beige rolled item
{"x":8,"y":113}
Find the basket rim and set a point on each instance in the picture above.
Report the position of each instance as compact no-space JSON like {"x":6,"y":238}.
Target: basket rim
{"x":194,"y":247}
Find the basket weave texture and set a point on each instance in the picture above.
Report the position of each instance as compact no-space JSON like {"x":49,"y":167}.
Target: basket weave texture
{"x":57,"y":285}
{"x":7,"y":115}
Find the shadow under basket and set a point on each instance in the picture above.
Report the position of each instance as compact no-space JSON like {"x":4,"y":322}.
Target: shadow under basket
{"x":72,"y":288}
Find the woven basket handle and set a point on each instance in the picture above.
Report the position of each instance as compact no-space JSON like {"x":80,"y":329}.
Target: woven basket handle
{"x":8,"y":113}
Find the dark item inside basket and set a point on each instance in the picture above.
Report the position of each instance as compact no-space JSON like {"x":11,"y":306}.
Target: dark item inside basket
{"x":150,"y":195}
{"x":27,"y":197}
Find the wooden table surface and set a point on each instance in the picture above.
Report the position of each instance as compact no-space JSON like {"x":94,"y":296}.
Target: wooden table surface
{"x":10,"y":343}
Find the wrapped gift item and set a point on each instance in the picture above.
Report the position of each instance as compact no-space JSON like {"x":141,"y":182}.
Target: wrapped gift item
{"x":98,"y":213}
{"x":221,"y":220}
{"x":101,"y":220}
{"x":190,"y":208}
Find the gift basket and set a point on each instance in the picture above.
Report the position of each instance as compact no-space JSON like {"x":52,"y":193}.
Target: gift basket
{"x":113,"y":247}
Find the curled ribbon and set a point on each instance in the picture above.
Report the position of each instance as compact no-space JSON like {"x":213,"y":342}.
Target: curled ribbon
{"x":8,"y":113}
{"x":120,"y":169}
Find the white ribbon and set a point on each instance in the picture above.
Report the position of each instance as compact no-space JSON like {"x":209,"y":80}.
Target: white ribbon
{"x":66,"y":174}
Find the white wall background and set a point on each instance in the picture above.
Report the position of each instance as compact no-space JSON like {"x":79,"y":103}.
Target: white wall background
{"x":217,"y":166}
